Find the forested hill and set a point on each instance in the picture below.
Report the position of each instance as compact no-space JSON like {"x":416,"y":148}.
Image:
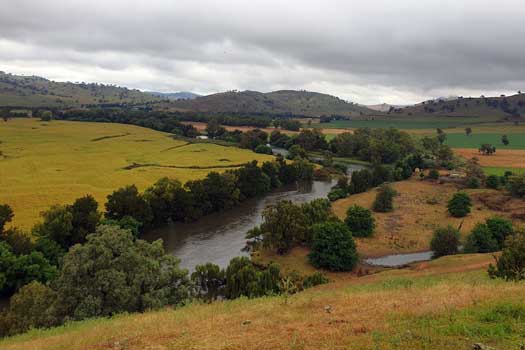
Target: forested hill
{"x":33,"y":91}
{"x":502,"y":107}
{"x":284,"y":102}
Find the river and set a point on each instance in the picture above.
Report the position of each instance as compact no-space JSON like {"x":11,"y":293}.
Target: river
{"x":219,"y":237}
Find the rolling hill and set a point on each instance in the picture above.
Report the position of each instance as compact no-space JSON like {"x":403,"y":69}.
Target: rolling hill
{"x":33,"y":91}
{"x":502,"y":107}
{"x":282,"y":102}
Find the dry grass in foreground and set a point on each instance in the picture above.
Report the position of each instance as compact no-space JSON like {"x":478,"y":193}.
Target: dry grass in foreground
{"x":427,"y":307}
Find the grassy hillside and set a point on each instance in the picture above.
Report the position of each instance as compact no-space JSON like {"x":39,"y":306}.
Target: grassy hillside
{"x":511,"y":107}
{"x":33,"y":91}
{"x":55,"y":162}
{"x":449,"y":303}
{"x":277,"y":102}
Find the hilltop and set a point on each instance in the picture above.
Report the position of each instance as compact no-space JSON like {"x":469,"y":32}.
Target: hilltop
{"x":283,"y":102}
{"x":502,"y":107}
{"x":34,"y":91}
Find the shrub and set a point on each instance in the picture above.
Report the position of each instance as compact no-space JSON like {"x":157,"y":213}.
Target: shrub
{"x":433,"y":174}
{"x":336,"y":193}
{"x":6,"y":215}
{"x":209,"y":280}
{"x":511,"y":264}
{"x":333,"y":247}
{"x":244,"y":279}
{"x":30,"y":307}
{"x":473,"y":182}
{"x":516,"y":185}
{"x":263,"y":149}
{"x":384,"y":201}
{"x":460,"y":204}
{"x":445,"y":241}
{"x":500,"y":229}
{"x":481,"y":240}
{"x":492,"y":182}
{"x":315,"y":279}
{"x":360,"y":221}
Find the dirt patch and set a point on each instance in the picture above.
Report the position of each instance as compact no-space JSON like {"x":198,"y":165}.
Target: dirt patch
{"x":512,"y":158}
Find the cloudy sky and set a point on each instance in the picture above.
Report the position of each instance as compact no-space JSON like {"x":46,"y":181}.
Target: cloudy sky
{"x":394,"y":51}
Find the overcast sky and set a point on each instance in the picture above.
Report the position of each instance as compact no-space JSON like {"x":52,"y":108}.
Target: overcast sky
{"x":394,"y":51}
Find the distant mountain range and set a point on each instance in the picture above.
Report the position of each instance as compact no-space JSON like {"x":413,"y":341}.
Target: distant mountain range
{"x":37,"y":92}
{"x":182,"y":95}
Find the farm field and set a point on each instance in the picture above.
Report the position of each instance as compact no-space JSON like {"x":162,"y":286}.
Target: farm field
{"x":449,"y":303}
{"x":503,"y":158}
{"x":461,"y":140}
{"x":56,"y":162}
{"x":405,"y":123}
{"x":500,"y":171}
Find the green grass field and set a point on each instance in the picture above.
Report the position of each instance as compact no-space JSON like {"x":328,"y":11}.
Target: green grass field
{"x":461,"y":140}
{"x":501,"y":171}
{"x":405,"y":123}
{"x":48,"y":163}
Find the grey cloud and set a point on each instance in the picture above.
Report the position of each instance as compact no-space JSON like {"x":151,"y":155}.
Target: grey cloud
{"x":374,"y":51}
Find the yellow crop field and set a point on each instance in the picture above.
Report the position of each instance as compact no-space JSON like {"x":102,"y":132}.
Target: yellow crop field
{"x":46,"y":163}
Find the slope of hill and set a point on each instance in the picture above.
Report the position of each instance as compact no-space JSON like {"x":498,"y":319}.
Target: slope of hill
{"x":181,"y":95}
{"x":278,"y":102}
{"x":33,"y":91}
{"x":503,"y":107}
{"x":448,"y":303}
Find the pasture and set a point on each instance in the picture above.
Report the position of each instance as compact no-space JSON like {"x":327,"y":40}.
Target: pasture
{"x":46,"y":163}
{"x":461,"y":140}
{"x":404,"y":123}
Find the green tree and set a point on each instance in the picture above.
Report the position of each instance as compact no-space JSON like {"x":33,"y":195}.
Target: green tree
{"x":57,"y":225}
{"x":6,"y":215}
{"x":505,"y":140}
{"x":492,"y":182}
{"x":360,"y":221}
{"x":487,"y":149}
{"x":511,"y":264}
{"x":445,"y":241}
{"x":333,"y":247}
{"x":297,"y":151}
{"x":169,"y":201}
{"x":441,"y":136}
{"x":214,"y":129}
{"x":500,"y":229}
{"x":209,"y":280}
{"x":263,"y":149}
{"x":113,"y":273}
{"x":468,"y":131}
{"x":127,"y":201}
{"x":85,"y":218}
{"x":384,"y":201}
{"x":481,"y":240}
{"x":516,"y":185}
{"x":30,"y":307}
{"x":284,"y":225}
{"x":244,"y":279}
{"x":17,"y":271}
{"x":19,"y":241}
{"x":459,"y":205}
